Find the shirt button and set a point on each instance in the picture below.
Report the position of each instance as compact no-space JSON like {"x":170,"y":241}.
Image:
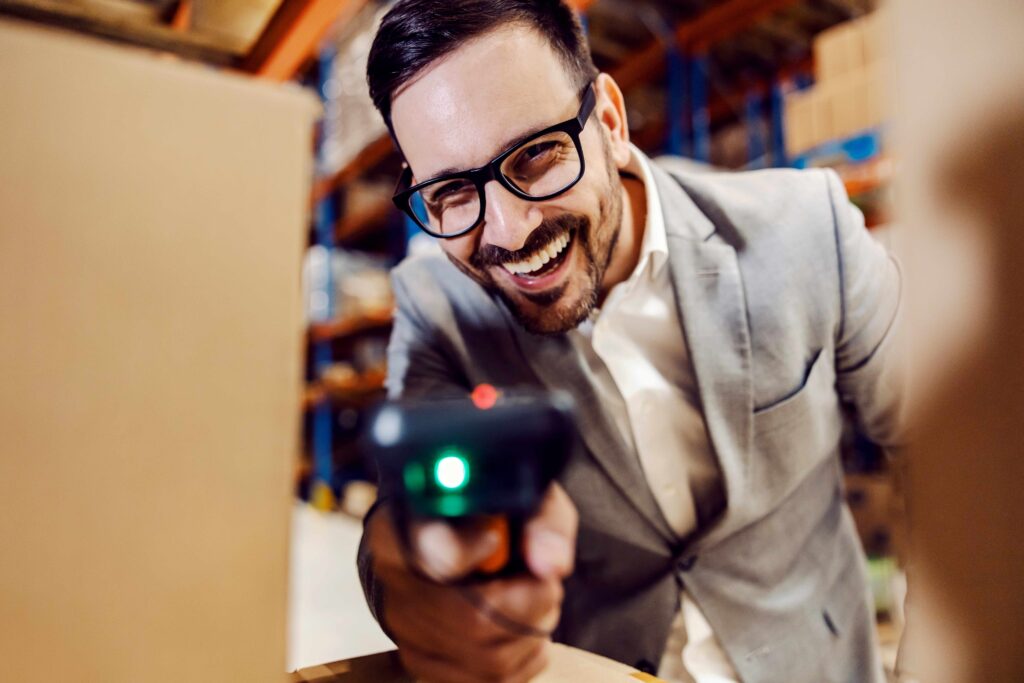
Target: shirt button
{"x":686,"y":564}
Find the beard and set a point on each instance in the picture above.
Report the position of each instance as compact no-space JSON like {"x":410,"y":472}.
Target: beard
{"x":557,"y":310}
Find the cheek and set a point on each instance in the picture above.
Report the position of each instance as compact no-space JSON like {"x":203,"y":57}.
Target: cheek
{"x":460,"y":248}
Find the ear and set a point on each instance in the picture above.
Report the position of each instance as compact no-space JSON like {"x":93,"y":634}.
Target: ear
{"x":611,"y":112}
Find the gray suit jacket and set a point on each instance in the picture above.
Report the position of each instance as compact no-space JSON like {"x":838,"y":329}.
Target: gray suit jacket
{"x":787,"y":306}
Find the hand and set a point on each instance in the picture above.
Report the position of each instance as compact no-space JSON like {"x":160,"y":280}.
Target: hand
{"x":441,"y":636}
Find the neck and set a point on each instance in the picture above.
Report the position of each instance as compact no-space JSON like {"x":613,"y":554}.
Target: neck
{"x":626,"y":253}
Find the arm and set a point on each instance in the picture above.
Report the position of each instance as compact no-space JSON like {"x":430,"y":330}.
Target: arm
{"x":868,"y":362}
{"x":416,"y":368}
{"x":494,"y":630}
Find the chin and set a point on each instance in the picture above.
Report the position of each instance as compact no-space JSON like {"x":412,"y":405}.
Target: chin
{"x":565,"y":309}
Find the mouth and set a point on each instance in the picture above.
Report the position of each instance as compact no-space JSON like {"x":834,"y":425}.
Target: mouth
{"x":544,"y":267}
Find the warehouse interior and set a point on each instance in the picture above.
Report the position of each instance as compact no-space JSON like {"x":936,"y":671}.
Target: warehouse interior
{"x":196,"y":241}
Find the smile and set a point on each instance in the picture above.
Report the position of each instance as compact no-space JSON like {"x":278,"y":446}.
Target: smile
{"x":543,"y":261}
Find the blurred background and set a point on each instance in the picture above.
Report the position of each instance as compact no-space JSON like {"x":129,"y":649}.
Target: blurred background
{"x":917,"y":106}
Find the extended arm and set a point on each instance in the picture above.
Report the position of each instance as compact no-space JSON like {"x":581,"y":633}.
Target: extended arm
{"x":868,"y":362}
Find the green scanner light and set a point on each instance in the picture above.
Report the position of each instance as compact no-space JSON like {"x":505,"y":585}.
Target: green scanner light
{"x":451,"y":472}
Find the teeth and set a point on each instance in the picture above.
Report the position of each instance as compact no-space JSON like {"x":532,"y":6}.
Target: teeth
{"x":552,"y":250}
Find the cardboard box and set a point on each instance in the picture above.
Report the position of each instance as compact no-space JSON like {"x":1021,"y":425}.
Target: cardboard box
{"x":822,"y":116}
{"x":877,"y":103}
{"x":568,"y":665}
{"x":850,"y":101}
{"x":843,"y":106}
{"x":875,"y":36}
{"x":798,"y":122}
{"x":838,"y":51}
{"x":153,"y":217}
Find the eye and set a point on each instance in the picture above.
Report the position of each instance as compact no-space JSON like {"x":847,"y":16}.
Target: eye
{"x":537,"y":157}
{"x":538,"y":149}
{"x":446,"y":190}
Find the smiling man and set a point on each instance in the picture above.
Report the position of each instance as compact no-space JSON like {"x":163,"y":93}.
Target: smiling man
{"x":710,"y":327}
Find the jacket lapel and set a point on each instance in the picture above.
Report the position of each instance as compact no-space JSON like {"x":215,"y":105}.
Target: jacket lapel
{"x":559,"y":366}
{"x":712,"y":308}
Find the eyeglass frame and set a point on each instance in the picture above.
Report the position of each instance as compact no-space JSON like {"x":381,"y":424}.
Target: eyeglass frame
{"x":492,"y":169}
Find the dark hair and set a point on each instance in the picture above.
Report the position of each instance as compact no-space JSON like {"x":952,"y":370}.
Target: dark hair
{"x":415,"y":33}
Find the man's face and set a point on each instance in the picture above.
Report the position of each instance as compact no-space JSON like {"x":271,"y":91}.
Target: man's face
{"x":462,"y":112}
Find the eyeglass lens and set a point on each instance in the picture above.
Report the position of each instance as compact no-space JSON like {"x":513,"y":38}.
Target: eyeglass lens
{"x":539,"y":168}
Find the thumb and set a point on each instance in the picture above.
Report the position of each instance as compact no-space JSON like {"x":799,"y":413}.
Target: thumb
{"x":550,"y":536}
{"x":445,"y":553}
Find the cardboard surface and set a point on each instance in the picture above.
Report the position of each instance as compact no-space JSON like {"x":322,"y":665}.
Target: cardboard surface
{"x":152,"y":224}
{"x":568,"y":665}
{"x":960,"y":128}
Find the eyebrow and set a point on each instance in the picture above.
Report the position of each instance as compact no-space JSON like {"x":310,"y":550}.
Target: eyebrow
{"x":503,"y":148}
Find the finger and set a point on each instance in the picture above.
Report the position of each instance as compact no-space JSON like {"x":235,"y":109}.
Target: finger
{"x":439,"y":617}
{"x":421,"y":629}
{"x":549,"y":541}
{"x":530,"y":603}
{"x":385,"y":548}
{"x":439,"y":550}
{"x":427,"y":667}
{"x":445,"y":553}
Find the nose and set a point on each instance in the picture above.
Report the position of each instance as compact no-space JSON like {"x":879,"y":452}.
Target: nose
{"x":508,"y":220}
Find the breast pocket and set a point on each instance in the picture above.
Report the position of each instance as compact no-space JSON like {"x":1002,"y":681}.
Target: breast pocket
{"x":795,"y":433}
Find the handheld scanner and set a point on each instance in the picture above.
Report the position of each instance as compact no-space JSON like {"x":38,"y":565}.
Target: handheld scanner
{"x":490,"y":457}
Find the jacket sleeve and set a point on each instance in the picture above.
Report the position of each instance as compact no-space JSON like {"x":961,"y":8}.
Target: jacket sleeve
{"x":868,"y":359}
{"x":417,"y":367}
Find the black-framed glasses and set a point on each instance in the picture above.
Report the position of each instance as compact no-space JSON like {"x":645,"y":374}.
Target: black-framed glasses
{"x":538,"y":168}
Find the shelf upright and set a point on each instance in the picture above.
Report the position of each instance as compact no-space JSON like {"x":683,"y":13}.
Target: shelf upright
{"x":756,"y":147}
{"x":676,"y":63}
{"x":322,"y":491}
{"x":700,"y":115}
{"x":779,"y":157}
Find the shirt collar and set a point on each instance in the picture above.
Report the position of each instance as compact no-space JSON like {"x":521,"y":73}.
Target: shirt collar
{"x":654,"y":247}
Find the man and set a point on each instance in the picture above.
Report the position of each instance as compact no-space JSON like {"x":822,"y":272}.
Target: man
{"x":709,"y":327}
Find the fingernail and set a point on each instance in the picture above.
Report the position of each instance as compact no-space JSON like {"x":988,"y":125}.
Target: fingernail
{"x":443,"y":554}
{"x":550,"y":554}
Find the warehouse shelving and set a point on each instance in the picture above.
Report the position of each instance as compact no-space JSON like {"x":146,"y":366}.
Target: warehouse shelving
{"x":347,"y":326}
{"x":687,"y":50}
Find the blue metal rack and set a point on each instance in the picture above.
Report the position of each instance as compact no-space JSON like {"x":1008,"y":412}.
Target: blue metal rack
{"x":700,"y":115}
{"x":677,"y":143}
{"x":321,"y":490}
{"x":853,"y":149}
{"x":756,"y":145}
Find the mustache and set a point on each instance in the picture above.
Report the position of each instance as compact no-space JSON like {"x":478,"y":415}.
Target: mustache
{"x":493,"y":255}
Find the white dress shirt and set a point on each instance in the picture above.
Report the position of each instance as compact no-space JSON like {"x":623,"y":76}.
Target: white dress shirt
{"x":634,"y":345}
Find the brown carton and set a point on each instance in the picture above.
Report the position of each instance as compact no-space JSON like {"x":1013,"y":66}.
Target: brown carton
{"x":567,"y":665}
{"x":153,"y":215}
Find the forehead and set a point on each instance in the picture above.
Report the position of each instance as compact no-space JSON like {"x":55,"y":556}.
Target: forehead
{"x":461,"y":110}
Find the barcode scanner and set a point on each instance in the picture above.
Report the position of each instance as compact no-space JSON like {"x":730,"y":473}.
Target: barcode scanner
{"x":487,"y":458}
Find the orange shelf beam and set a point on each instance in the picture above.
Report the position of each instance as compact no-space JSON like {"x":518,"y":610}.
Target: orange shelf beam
{"x":727,"y":19}
{"x":360,"y":388}
{"x":357,"y":224}
{"x":368,"y":157}
{"x":717,"y":23}
{"x":182,"y":19}
{"x":293,"y":34}
{"x":345,"y":327}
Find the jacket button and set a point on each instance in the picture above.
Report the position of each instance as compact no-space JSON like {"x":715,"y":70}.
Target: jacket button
{"x":686,"y":564}
{"x":645,"y":666}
